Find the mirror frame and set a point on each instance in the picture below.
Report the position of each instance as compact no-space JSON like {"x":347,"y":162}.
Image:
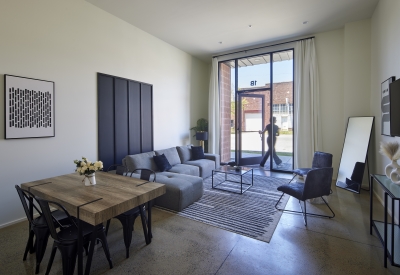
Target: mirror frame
{"x":355,"y":187}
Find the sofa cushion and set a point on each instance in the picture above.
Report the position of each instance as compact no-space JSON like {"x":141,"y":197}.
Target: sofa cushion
{"x":171,"y":154}
{"x":143,"y":160}
{"x":205,"y":166}
{"x":185,"y":153}
{"x":185,"y":169}
{"x":197,"y":152}
{"x":162,"y":163}
{"x":182,"y":190}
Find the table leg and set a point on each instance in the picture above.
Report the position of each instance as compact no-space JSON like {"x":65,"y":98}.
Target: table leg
{"x":145,"y":224}
{"x":370,"y":205}
{"x":80,"y":247}
{"x":392,"y":234}
{"x":385,"y":233}
{"x":149,"y":221}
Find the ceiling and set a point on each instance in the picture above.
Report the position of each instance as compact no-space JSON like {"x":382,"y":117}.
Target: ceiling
{"x":204,"y":28}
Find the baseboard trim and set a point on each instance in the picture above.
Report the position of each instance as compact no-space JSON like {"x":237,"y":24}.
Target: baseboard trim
{"x":22,"y":219}
{"x":12,"y":222}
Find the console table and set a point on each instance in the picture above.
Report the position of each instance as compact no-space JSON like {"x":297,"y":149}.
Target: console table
{"x":388,"y":232}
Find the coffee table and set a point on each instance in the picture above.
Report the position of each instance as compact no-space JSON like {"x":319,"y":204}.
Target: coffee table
{"x":227,"y":170}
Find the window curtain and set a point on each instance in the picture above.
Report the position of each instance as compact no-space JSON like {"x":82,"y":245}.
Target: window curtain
{"x":213,"y":110}
{"x":307,"y":134}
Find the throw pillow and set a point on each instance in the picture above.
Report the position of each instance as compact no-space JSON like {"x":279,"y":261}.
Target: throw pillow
{"x":197,"y":153}
{"x":162,"y":163}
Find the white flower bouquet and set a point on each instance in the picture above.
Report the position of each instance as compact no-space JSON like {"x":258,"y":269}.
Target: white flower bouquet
{"x":86,"y":167}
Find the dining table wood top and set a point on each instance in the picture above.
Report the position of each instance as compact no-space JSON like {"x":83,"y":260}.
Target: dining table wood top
{"x":111,"y":195}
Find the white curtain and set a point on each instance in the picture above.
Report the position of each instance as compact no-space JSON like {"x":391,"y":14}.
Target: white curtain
{"x":213,"y":111}
{"x":307,"y":133}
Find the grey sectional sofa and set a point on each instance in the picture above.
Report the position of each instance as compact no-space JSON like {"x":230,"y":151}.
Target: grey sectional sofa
{"x":184,"y":181}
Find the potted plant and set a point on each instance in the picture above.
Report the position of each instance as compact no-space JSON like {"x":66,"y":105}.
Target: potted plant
{"x":202,"y":129}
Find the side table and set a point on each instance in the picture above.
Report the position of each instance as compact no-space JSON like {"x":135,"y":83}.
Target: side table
{"x":388,"y":233}
{"x":226,"y":170}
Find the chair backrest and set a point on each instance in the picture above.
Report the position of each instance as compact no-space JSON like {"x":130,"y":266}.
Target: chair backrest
{"x":50,"y":220}
{"x":26,"y":196}
{"x":145,"y":174}
{"x":119,"y":169}
{"x":318,"y":183}
{"x":322,"y":159}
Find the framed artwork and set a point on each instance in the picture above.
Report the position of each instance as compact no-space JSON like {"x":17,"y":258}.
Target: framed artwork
{"x":29,"y":107}
{"x":385,"y":106}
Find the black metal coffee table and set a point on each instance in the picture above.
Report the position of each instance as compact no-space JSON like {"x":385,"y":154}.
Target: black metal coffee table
{"x":227,"y":170}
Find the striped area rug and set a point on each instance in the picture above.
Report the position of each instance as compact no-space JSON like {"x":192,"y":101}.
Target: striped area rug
{"x":251,"y":214}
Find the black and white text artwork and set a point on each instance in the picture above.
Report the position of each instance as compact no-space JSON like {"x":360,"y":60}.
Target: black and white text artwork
{"x":385,"y":106}
{"x":29,"y":107}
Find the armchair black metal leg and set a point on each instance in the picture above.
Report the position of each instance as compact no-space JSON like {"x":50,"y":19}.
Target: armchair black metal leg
{"x":276,"y":205}
{"x":292,"y":178}
{"x":330,"y":217}
{"x":304,"y":213}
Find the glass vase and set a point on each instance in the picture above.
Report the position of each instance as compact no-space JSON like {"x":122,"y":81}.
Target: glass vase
{"x":90,"y":179}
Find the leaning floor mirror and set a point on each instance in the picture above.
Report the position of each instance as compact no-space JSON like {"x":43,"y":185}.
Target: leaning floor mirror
{"x":354,"y":154}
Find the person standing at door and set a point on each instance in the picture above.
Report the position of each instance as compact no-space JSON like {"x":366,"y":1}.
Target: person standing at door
{"x":273,"y":132}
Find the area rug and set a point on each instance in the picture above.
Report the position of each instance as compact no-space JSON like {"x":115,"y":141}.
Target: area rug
{"x":251,"y":214}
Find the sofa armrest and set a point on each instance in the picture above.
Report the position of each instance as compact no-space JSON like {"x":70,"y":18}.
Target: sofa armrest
{"x":215,"y":158}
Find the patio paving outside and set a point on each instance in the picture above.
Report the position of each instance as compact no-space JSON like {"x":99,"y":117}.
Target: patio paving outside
{"x":251,"y":145}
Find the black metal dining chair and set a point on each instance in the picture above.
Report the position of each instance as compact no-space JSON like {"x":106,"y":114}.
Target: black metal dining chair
{"x":317,"y":184}
{"x":128,"y":218}
{"x":38,"y":228}
{"x":66,"y":239}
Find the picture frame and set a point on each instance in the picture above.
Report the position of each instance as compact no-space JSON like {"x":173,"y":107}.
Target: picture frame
{"x":29,"y":107}
{"x":385,"y":106}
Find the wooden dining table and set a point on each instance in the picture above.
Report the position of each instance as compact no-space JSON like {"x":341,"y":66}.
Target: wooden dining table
{"x":112,"y":195}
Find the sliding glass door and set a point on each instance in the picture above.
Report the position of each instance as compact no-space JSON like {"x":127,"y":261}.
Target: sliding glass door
{"x":254,"y":91}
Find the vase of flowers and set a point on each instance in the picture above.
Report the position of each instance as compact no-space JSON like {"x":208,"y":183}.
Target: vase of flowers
{"x":87,"y":168}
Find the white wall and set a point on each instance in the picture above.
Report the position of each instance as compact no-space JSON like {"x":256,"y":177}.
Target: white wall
{"x":330,"y":54}
{"x":385,"y":60}
{"x":68,"y":42}
{"x":344,"y":62}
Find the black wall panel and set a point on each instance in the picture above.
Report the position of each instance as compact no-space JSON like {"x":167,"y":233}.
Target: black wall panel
{"x":121,"y":136}
{"x":134,"y":118}
{"x":146,"y":117}
{"x":105,"y":109}
{"x":125,"y":118}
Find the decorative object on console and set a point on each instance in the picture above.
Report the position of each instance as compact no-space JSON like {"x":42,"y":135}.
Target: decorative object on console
{"x":29,"y":107}
{"x":88,"y":168}
{"x":392,"y":151}
{"x":386,"y":107}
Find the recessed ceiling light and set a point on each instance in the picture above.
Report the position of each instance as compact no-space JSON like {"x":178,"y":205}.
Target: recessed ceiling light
{"x":305,"y":22}
{"x":249,"y":26}
{"x":220,"y":42}
{"x":256,"y":60}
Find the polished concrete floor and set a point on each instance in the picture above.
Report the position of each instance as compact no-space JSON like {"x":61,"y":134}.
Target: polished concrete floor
{"x":341,"y":245}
